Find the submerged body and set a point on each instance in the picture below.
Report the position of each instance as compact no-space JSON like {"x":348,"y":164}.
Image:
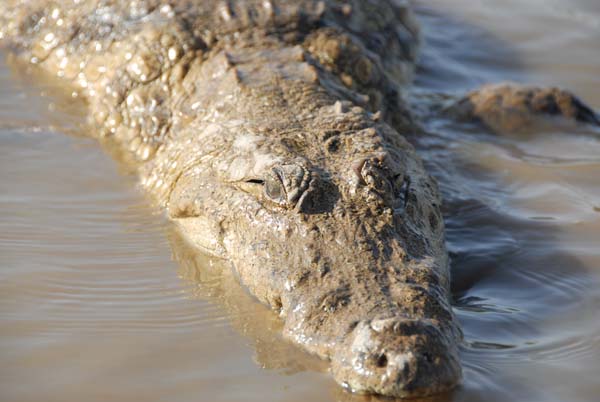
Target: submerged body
{"x":511,"y":108}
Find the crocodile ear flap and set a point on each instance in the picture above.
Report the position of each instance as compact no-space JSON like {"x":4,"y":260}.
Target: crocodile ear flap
{"x":190,"y":196}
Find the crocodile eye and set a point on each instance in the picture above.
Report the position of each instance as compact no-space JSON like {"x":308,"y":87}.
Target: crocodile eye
{"x":274,"y":187}
{"x":377,"y":176}
{"x":374,"y":177}
{"x":285,"y":184}
{"x":373,"y":173}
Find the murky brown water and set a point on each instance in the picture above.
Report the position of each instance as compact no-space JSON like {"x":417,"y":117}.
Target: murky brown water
{"x":94,"y":307}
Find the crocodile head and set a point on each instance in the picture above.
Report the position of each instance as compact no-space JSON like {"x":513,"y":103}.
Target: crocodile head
{"x":341,"y":235}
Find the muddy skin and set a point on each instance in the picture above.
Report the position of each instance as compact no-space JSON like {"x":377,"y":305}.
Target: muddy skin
{"x":513,"y":108}
{"x":262,"y":129}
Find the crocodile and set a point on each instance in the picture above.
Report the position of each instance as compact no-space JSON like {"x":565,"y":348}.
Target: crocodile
{"x":273,"y":134}
{"x":268,"y":132}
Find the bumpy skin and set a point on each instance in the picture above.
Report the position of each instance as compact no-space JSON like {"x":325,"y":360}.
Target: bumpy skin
{"x":262,"y":128}
{"x":510,"y":108}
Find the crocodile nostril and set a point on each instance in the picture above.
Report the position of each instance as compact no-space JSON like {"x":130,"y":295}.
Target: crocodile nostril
{"x":397,"y":356}
{"x":382,"y":360}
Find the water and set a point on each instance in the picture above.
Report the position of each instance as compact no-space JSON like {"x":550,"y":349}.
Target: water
{"x":100,"y":300}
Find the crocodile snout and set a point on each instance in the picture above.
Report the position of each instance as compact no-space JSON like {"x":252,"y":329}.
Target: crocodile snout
{"x":397,"y":357}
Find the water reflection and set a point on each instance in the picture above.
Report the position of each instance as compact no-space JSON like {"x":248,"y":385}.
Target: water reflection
{"x":215,"y":280}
